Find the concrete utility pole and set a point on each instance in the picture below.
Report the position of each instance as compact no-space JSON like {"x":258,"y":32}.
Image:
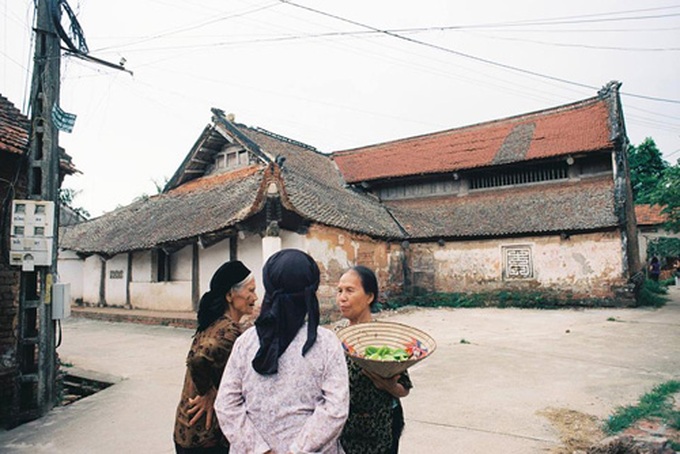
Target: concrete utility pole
{"x":37,"y":351}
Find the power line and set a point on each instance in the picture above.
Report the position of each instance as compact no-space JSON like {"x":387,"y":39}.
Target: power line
{"x":190,"y":27}
{"x":586,"y":46}
{"x":465,"y":55}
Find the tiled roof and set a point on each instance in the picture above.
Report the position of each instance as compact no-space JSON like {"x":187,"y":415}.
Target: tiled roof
{"x":213,"y":204}
{"x":312,"y":185}
{"x":649,"y":215}
{"x":575,"y":128}
{"x":13,"y":128}
{"x":543,"y":208}
{"x":315,"y":189}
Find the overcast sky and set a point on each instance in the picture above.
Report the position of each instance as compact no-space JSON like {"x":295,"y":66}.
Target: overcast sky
{"x":336,"y":74}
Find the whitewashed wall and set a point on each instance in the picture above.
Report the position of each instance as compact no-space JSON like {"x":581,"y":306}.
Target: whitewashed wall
{"x":141,"y":267}
{"x":249,"y":251}
{"x":116,"y":280}
{"x":181,"y":264}
{"x":164,"y":296}
{"x":70,"y":269}
{"x":91,"y":279}
{"x":210,"y":259}
{"x":174,"y":295}
{"x":647,"y":235}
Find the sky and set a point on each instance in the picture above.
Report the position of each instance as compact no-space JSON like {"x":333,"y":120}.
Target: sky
{"x":335,"y":74}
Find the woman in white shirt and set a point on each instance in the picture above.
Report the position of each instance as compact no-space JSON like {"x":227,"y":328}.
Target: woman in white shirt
{"x":285,"y":388}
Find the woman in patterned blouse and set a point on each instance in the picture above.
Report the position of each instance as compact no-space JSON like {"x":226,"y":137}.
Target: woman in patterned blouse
{"x":285,"y":388}
{"x":231,"y":296}
{"x":375,"y":417}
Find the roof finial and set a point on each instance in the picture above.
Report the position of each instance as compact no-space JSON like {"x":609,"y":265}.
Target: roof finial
{"x":231,"y":117}
{"x":611,"y":87}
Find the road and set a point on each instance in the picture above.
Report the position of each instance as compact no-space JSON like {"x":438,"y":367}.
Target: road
{"x":481,"y":391}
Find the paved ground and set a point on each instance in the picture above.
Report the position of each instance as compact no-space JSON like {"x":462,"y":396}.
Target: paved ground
{"x":481,"y":391}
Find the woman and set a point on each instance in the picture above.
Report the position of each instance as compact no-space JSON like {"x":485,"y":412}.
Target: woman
{"x":231,"y":296}
{"x":285,"y":388}
{"x":376,"y":418}
{"x":655,"y":269}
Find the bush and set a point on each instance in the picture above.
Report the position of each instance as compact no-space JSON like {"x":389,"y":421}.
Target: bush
{"x":650,"y":294}
{"x":501,"y":298}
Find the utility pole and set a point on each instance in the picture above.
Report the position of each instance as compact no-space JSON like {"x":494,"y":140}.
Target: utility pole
{"x":37,"y":227}
{"x":37,"y":351}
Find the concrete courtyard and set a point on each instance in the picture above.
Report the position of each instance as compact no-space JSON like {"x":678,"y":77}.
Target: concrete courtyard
{"x":482,"y":391}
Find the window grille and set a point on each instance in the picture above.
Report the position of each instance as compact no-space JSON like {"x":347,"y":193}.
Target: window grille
{"x":520,"y":176}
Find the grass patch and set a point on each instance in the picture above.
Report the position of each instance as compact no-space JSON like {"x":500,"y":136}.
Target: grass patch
{"x":464,"y":341}
{"x":657,"y":403}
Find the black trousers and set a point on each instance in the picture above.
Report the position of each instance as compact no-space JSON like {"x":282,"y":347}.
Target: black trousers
{"x":397,"y":427}
{"x":210,"y":450}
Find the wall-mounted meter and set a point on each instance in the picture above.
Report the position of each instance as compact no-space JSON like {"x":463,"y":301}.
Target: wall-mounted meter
{"x":32,"y":233}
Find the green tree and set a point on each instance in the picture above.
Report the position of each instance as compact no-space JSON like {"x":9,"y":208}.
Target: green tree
{"x":66,"y":197}
{"x":646,"y":170}
{"x":667,"y":195}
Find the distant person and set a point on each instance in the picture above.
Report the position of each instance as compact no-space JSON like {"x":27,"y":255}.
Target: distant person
{"x":231,"y":296}
{"x":285,"y":387}
{"x":654,"y":269}
{"x":376,"y":417}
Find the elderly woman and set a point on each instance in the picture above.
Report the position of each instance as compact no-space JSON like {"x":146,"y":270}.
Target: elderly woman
{"x":285,"y":388}
{"x":376,"y":418}
{"x":231,"y":296}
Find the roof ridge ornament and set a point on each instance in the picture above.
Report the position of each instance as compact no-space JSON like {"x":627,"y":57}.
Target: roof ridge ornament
{"x":612,"y":87}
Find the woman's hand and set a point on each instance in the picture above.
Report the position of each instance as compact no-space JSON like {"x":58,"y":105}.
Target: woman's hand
{"x":391,"y":385}
{"x":202,"y":405}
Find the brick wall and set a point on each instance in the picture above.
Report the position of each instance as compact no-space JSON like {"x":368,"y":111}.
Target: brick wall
{"x":11,"y":188}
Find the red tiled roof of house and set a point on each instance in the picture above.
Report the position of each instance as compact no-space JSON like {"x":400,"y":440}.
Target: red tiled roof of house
{"x":13,"y":128}
{"x":649,"y":215}
{"x":579,"y":127}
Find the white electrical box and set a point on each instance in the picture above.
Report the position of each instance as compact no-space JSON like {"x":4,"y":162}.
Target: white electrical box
{"x":32,"y":233}
{"x":61,"y":301}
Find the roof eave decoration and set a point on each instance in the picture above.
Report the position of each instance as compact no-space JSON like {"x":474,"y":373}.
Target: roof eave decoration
{"x":180,"y":176}
{"x":222,"y":121}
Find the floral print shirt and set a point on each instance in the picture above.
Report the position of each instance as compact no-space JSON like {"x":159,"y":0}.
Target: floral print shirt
{"x":300,"y":409}
{"x":206,"y":360}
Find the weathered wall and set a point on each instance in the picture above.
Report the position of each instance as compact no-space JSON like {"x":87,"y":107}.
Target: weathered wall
{"x":336,"y":250}
{"x":586,"y":265}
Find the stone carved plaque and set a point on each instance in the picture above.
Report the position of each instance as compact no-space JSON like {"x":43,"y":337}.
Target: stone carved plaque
{"x":116,"y":274}
{"x":517,"y":262}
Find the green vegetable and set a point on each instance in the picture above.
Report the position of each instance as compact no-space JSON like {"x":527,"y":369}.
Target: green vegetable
{"x":385,"y":353}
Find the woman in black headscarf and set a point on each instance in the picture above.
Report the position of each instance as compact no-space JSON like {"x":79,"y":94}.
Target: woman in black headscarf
{"x":285,"y":388}
{"x":231,"y":296}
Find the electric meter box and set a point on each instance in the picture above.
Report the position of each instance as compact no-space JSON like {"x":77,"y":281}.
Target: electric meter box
{"x":61,"y":301}
{"x":32,"y":233}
